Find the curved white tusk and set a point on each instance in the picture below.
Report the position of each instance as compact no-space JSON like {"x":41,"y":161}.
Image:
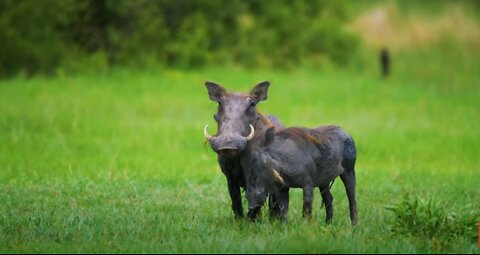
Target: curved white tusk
{"x":205,"y":133}
{"x":277,"y":177}
{"x":252,"y":132}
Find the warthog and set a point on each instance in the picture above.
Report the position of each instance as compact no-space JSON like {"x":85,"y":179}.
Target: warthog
{"x":303,"y":158}
{"x":237,"y":120}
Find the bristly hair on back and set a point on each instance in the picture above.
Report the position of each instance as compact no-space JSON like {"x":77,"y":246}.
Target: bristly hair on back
{"x":306,"y":134}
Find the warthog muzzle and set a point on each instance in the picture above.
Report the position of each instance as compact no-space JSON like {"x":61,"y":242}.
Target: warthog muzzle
{"x":228,"y":145}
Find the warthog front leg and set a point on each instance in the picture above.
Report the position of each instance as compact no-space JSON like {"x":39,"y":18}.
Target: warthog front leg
{"x":235,"y":195}
{"x":273,"y":209}
{"x":233,"y":172}
{"x":282,"y":201}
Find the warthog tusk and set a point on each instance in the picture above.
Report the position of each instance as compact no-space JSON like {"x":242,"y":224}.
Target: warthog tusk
{"x":252,"y":132}
{"x":205,"y":133}
{"x":277,"y":177}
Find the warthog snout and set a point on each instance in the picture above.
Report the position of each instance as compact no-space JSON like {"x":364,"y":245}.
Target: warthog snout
{"x":228,"y":145}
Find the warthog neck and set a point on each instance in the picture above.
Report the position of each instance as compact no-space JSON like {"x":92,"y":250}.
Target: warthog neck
{"x":262,"y":123}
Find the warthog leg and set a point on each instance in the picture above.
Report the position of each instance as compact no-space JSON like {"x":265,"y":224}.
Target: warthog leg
{"x":307,"y":201}
{"x":283,"y":200}
{"x":348,"y":178}
{"x":328,"y":202}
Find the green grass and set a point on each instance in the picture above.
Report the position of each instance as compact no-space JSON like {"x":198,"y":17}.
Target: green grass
{"x":115,"y":162}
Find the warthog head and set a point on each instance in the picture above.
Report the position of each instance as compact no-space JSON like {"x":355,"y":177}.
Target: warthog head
{"x":236,"y":117}
{"x":261,"y":175}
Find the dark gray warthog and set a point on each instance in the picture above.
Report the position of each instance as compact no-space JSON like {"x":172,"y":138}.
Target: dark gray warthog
{"x":303,"y":158}
{"x":237,"y":120}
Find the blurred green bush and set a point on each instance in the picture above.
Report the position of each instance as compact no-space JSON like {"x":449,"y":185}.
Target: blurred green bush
{"x":72,"y":35}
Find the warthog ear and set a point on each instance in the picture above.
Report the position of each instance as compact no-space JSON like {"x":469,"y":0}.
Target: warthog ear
{"x":269,"y":136}
{"x":215,"y":91}
{"x":259,"y":92}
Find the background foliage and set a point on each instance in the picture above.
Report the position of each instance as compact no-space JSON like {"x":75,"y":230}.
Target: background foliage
{"x":72,"y":35}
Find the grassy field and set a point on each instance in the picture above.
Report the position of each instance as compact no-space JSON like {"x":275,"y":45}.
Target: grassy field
{"x":115,"y":162}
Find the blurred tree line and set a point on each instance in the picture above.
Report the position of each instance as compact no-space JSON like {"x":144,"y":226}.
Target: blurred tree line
{"x":48,"y":35}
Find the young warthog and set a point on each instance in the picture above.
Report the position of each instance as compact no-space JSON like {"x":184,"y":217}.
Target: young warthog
{"x":303,"y":158}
